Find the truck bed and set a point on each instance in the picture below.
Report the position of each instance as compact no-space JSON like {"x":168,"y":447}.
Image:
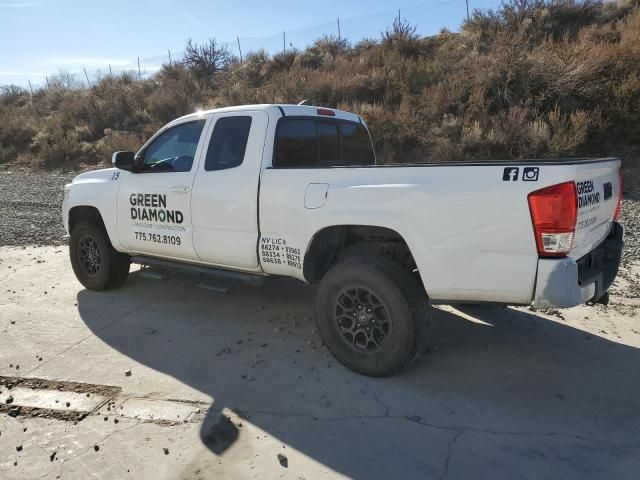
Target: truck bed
{"x":469,"y":229}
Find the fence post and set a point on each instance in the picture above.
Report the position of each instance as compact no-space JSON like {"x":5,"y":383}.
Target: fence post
{"x":139,"y":73}
{"x":239,"y":48}
{"x":87,"y":77}
{"x":47,"y":79}
{"x":467,"y":2}
{"x":33,"y":106}
{"x":169,"y":56}
{"x":110,"y":72}
{"x":284,"y":42}
{"x":339,"y":35}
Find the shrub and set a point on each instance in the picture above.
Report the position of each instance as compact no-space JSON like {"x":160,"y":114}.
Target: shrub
{"x":534,"y":78}
{"x":115,"y":141}
{"x":207,"y":59}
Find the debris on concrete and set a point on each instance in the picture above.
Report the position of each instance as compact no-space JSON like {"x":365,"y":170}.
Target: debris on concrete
{"x":284,"y":461}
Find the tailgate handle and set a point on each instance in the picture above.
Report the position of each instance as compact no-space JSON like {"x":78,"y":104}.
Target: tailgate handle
{"x":608,"y":191}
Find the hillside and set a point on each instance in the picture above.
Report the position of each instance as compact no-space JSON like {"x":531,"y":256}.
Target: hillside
{"x":533,"y":79}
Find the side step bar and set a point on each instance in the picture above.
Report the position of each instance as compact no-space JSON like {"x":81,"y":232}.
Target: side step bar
{"x":246,"y":278}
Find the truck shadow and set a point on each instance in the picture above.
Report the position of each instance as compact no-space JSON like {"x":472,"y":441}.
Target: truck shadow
{"x":514,"y":391}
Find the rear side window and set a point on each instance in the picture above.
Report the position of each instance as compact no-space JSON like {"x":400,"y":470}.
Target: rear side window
{"x":228,"y":143}
{"x":308,"y":142}
{"x":356,"y":144}
{"x":296,"y":143}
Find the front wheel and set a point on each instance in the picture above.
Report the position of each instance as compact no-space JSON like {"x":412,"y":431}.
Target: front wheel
{"x":97,"y":265}
{"x":372,"y":314}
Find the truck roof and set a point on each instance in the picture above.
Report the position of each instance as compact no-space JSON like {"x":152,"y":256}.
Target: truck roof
{"x":285,"y":110}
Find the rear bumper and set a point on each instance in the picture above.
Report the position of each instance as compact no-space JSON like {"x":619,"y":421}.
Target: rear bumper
{"x":564,"y":283}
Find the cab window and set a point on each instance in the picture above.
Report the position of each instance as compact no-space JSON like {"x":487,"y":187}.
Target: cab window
{"x":356,"y":144}
{"x":296,"y":143}
{"x":174,"y":149}
{"x":320,"y":142}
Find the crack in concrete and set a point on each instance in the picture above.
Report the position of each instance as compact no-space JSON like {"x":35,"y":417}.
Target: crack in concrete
{"x":449,"y":428}
{"x":447,"y":461}
{"x":92,"y":334}
{"x":13,"y":270}
{"x":87,"y":449}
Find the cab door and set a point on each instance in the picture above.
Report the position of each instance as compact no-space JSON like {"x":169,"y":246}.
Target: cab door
{"x":154,"y":204}
{"x":225,"y":192}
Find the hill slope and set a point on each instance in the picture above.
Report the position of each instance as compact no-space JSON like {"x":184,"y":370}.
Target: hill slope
{"x":533,"y":79}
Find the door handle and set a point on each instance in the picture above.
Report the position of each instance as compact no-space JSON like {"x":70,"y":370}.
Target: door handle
{"x":180,"y":189}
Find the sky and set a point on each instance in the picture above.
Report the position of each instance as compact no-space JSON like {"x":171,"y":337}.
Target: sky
{"x":42,"y":37}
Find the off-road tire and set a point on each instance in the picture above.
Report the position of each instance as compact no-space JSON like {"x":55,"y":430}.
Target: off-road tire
{"x":404,"y":298}
{"x":113,"y":266}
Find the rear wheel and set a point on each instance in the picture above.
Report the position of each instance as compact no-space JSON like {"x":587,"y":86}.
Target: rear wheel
{"x":97,"y":265}
{"x":372,"y":314}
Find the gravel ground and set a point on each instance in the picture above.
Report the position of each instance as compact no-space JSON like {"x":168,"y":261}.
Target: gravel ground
{"x":30,"y":215}
{"x":30,"y":207}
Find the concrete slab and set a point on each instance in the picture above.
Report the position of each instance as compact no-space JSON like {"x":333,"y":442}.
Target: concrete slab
{"x":502,"y":393}
{"x":152,"y":410}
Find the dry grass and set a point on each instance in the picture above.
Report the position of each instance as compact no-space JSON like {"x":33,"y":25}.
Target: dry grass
{"x":548,"y":78}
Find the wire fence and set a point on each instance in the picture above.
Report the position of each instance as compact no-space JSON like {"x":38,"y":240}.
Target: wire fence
{"x":426,"y":16}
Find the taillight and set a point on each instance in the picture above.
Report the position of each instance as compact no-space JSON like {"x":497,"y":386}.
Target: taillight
{"x":554,"y":212}
{"x":616,"y":214}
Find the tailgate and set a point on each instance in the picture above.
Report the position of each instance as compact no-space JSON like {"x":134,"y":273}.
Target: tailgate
{"x":598,"y":188}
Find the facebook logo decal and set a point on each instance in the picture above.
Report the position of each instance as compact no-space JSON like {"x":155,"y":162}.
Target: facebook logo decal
{"x":510,"y":174}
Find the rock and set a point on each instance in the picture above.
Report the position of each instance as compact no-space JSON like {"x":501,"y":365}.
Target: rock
{"x":9,"y":400}
{"x":284,"y":461}
{"x":19,"y":448}
{"x":14,"y":412}
{"x":96,"y":448}
{"x":52,"y":457}
{"x":166,"y":450}
{"x":415,"y":418}
{"x":68,"y":404}
{"x":127,"y":373}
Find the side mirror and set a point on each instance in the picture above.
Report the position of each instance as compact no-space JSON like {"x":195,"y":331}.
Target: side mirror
{"x":124,"y":160}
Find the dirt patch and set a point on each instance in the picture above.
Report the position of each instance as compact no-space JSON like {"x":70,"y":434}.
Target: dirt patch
{"x":7,"y":384}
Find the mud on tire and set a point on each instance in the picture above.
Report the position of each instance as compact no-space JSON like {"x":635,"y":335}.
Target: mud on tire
{"x":372,"y":314}
{"x":97,"y":265}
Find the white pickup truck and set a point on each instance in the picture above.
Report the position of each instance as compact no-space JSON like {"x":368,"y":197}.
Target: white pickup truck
{"x":292,"y":190}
